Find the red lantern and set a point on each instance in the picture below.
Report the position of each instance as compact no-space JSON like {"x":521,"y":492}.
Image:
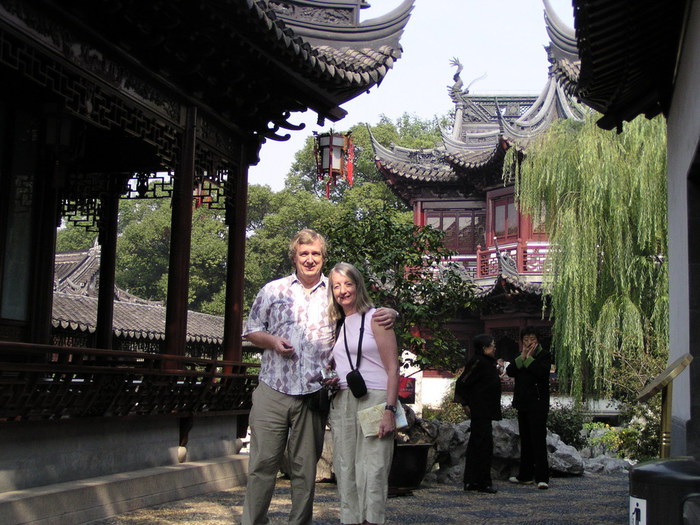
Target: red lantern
{"x":335,"y":156}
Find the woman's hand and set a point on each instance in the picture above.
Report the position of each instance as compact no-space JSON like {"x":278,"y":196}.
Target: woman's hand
{"x":529,"y":349}
{"x":467,"y":410}
{"x":387,"y":426}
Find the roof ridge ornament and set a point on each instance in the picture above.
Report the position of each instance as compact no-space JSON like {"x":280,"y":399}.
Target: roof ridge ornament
{"x":455,"y":89}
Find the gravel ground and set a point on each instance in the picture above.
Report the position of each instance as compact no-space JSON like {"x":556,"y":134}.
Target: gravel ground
{"x":592,"y":499}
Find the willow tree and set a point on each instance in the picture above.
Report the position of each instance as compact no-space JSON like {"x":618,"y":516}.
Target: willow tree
{"x":603,"y":199}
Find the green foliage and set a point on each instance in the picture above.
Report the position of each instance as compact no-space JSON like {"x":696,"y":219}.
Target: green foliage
{"x":509,"y":412}
{"x":637,"y":438}
{"x":208,"y":262}
{"x":640,"y":437}
{"x":268,"y":244}
{"x":603,"y":196}
{"x":450,"y":413}
{"x":72,"y":238}
{"x":607,"y":440}
{"x":567,"y":422}
{"x":143,"y":251}
{"x":260,"y":202}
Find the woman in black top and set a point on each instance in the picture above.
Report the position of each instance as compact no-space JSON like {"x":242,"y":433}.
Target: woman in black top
{"x":530,"y":371}
{"x":478,"y":389}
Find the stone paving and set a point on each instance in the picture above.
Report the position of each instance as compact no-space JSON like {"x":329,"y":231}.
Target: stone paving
{"x":592,"y":499}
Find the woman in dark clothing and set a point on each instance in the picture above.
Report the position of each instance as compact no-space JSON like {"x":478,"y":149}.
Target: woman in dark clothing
{"x":478,"y":389}
{"x":530,"y":372}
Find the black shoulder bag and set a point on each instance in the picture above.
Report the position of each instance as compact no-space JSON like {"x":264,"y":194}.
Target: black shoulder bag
{"x":356,"y":383}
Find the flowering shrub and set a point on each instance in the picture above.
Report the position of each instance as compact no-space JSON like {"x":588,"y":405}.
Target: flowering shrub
{"x":567,"y":421}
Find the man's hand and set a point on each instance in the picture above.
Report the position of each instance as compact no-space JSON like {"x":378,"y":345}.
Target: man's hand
{"x":329,"y":378}
{"x":385,"y":317}
{"x":283,"y":347}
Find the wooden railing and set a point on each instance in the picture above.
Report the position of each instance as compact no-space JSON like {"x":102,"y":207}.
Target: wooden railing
{"x":54,"y":382}
{"x":528,"y":259}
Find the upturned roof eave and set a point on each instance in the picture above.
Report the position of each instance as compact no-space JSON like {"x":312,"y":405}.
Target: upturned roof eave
{"x":628,"y":63}
{"x":386,"y":29}
{"x":560,"y":34}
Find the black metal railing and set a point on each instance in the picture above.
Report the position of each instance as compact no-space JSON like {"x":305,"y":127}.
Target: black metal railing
{"x":56,"y":382}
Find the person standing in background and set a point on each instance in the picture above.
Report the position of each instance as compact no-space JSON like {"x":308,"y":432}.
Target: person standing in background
{"x":530,"y":372}
{"x":478,"y":390}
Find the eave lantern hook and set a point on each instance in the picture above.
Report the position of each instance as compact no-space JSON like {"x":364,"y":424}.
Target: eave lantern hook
{"x":335,"y":157}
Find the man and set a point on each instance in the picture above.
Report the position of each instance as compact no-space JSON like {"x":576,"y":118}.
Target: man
{"x":289,"y":320}
{"x":530,"y":372}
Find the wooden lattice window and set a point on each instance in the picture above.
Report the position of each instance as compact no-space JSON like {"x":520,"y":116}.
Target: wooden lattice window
{"x":464,"y":229}
{"x":505,"y":218}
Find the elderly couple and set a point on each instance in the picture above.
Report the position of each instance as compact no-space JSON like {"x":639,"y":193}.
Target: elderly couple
{"x":294,"y":320}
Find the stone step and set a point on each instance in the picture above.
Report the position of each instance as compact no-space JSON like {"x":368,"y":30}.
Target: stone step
{"x":83,"y":501}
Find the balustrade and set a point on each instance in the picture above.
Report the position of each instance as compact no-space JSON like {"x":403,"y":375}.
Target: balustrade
{"x":53,"y":382}
{"x":528,"y":259}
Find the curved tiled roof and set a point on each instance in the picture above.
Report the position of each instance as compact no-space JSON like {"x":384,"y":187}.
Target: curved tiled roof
{"x":552,"y":104}
{"x":562,"y":52}
{"x":131,"y":320}
{"x":628,"y":51}
{"x":252,"y":60}
{"x":476,"y":156}
{"x":319,"y":22}
{"x":75,"y":304}
{"x":473,"y":153}
{"x":508,"y":279}
{"x":425,"y":165}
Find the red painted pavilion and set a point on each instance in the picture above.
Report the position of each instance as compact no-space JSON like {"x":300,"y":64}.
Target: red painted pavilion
{"x":460,"y":188}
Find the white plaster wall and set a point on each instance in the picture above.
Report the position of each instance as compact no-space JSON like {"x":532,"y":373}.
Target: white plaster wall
{"x":683,"y":133}
{"x":433,"y":389}
{"x":429,"y":390}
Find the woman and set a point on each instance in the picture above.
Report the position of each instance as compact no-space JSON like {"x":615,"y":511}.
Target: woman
{"x":361,"y":464}
{"x":478,"y":389}
{"x":530,"y":373}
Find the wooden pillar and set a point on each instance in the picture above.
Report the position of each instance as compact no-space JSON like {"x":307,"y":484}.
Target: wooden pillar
{"x":520,"y":256}
{"x":180,"y":243}
{"x":418,"y":214}
{"x":46,"y":216}
{"x":478,"y":261}
{"x":108,"y":263}
{"x":236,"y":217}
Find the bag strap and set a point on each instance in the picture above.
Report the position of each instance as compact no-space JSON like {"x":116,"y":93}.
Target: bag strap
{"x":359,"y":344}
{"x":338,"y":326}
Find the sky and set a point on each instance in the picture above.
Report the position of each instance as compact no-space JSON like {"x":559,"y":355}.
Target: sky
{"x":503,"y":40}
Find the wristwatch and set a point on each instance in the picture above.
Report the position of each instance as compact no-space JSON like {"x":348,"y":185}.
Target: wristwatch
{"x":390,"y":407}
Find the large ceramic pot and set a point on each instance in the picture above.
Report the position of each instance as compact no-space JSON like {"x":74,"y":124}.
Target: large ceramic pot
{"x":408,"y":467}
